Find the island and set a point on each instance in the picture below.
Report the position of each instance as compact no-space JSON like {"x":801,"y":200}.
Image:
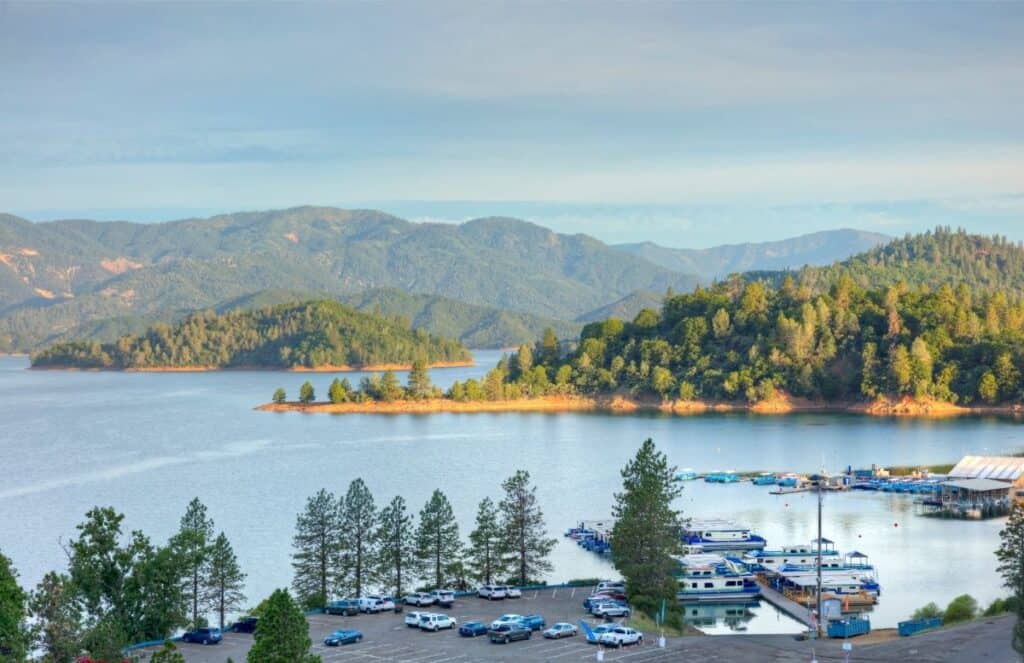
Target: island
{"x":321,"y":335}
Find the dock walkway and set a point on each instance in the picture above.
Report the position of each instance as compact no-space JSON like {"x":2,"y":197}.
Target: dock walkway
{"x":788,"y":606}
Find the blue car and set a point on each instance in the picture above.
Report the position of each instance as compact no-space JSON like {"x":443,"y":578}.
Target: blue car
{"x":203,"y":636}
{"x":533,"y":622}
{"x":472,"y":629}
{"x":342,"y":638}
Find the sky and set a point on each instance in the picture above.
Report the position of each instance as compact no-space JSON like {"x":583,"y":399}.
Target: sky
{"x":689,"y":124}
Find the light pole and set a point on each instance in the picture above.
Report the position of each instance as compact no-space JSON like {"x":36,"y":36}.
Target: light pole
{"x":820,"y":499}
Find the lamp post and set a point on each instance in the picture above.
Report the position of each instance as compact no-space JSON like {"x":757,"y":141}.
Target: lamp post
{"x":820,"y":499}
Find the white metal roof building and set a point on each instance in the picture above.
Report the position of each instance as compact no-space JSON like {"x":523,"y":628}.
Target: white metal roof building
{"x":999,"y":468}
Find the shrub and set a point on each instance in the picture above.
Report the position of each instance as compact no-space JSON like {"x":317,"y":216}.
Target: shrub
{"x":961,"y":609}
{"x":927,"y":611}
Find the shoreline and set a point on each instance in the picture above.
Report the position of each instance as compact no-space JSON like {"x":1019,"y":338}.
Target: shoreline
{"x":330,"y":368}
{"x":623,"y":405}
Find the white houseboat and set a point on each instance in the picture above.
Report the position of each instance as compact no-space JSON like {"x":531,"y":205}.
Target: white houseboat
{"x":717,"y":534}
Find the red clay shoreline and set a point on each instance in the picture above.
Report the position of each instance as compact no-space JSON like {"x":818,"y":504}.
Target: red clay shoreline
{"x":906,"y":407}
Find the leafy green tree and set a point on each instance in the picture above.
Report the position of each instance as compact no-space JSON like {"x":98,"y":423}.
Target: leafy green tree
{"x":306,"y":393}
{"x":224,"y":579}
{"x":193,"y":540}
{"x":549,"y":346}
{"x":526,"y":544}
{"x":57,"y":619}
{"x":1011,"y":567}
{"x":396,"y":554}
{"x":485,"y":544}
{"x":900,"y":368}
{"x":927,"y":611}
{"x":920,"y":367}
{"x":523,"y":361}
{"x":283,"y":633}
{"x":662,"y":381}
{"x":457,"y":392}
{"x":317,"y":544}
{"x":359,"y":546}
{"x":13,"y":612}
{"x":437,"y":539}
{"x":169,"y":654}
{"x":280,"y":396}
{"x":420,"y":386}
{"x":647,"y":527}
{"x":961,"y":609}
{"x":390,"y":387}
{"x":337,"y":393}
{"x":988,"y":388}
{"x":721,"y":324}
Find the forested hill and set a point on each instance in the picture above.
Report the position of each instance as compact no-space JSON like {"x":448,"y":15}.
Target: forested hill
{"x":57,"y":276}
{"x":306,"y":335}
{"x":746,"y":341}
{"x":932,"y":259}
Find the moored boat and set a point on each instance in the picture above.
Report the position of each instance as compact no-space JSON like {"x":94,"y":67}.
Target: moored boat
{"x":718,"y":534}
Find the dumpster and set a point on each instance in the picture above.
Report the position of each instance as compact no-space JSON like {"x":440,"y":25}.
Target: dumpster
{"x":913,"y":626}
{"x":848,"y":627}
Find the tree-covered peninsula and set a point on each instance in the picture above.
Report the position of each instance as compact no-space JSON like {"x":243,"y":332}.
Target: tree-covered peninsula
{"x":310,"y":335}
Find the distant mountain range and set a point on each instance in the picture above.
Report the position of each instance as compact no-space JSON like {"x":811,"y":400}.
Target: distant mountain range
{"x":488,"y":282}
{"x":820,"y":248}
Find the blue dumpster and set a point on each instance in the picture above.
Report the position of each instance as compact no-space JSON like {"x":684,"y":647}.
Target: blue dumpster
{"x":848,"y":627}
{"x":917,"y":625}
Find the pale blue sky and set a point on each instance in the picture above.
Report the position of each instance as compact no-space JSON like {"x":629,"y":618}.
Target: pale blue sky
{"x":685,"y":123}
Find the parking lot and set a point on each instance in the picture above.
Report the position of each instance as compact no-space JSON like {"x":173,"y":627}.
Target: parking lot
{"x":387,"y":638}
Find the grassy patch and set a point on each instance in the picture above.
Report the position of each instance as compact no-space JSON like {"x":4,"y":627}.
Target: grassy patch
{"x":646,"y":625}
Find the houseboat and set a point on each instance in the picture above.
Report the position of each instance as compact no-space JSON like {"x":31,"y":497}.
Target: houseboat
{"x":720,"y":582}
{"x":765,"y":479}
{"x":804,"y":555}
{"x":728,"y":476}
{"x":686,"y":474}
{"x":716,"y":535}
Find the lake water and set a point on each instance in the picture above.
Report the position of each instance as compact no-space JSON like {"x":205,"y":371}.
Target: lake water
{"x":147,"y":443}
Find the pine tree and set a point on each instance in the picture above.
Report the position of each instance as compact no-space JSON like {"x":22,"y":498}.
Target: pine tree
{"x":396,"y":554}
{"x":193,"y":541}
{"x":317,"y":544}
{"x":279,"y":395}
{"x":522,"y":522}
{"x":337,"y":392}
{"x":647,"y":529}
{"x":420,"y":386}
{"x":484,"y":554}
{"x":549,"y":346}
{"x":224,"y":579}
{"x":358,"y":521}
{"x":306,"y":393}
{"x":283,"y":633}
{"x":57,"y":620}
{"x":437,"y":539}
{"x":13,"y":612}
{"x":1011,"y":566}
{"x":390,"y":387}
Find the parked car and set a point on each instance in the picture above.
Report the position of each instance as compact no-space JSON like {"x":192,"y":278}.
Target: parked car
{"x":591,"y":601}
{"x":561,"y":630}
{"x":443,"y":597}
{"x":533,"y":622}
{"x":610,"y":594}
{"x":375,"y":604}
{"x":347,"y":607}
{"x":616,"y":585}
{"x":245,"y":625}
{"x":599,"y":630}
{"x":420,"y":599}
{"x":610,"y":609}
{"x":203,"y":636}
{"x":343,"y":637}
{"x":472,"y":629}
{"x":491,"y":592}
{"x":513,"y":592}
{"x":412,"y":619}
{"x":506,"y":619}
{"x":506,"y":633}
{"x":436,"y":621}
{"x":620,"y":636}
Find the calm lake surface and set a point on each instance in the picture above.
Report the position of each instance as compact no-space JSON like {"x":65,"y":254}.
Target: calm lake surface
{"x":147,"y":443}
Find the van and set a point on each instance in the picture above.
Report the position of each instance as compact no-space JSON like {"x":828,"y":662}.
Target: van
{"x":491,"y":592}
{"x":443,"y":597}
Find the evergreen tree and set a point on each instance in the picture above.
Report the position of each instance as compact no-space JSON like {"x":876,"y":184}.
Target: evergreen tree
{"x":396,"y":554}
{"x":549,"y":346}
{"x":437,"y":539}
{"x":522,"y":522}
{"x":1011,"y":566}
{"x":283,"y":633}
{"x":337,"y":393}
{"x":57,"y":619}
{"x":420,"y":386}
{"x":988,"y":388}
{"x":169,"y":654}
{"x":647,"y":527}
{"x":279,"y":395}
{"x":224,"y":579}
{"x":195,"y":534}
{"x":390,"y":387}
{"x":306,"y":393}
{"x":485,"y":544}
{"x":317,"y":543}
{"x":13,"y":611}
{"x":358,"y":521}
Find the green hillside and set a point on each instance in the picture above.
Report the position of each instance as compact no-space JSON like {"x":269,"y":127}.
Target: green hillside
{"x":311,"y":334}
{"x":56,"y":277}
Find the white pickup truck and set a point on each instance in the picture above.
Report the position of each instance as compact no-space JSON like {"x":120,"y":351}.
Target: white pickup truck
{"x":621,"y":636}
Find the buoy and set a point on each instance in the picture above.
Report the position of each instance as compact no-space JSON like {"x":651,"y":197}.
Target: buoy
{"x":895,"y":524}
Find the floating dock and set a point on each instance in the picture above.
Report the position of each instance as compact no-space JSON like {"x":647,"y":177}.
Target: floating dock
{"x":786,"y":605}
